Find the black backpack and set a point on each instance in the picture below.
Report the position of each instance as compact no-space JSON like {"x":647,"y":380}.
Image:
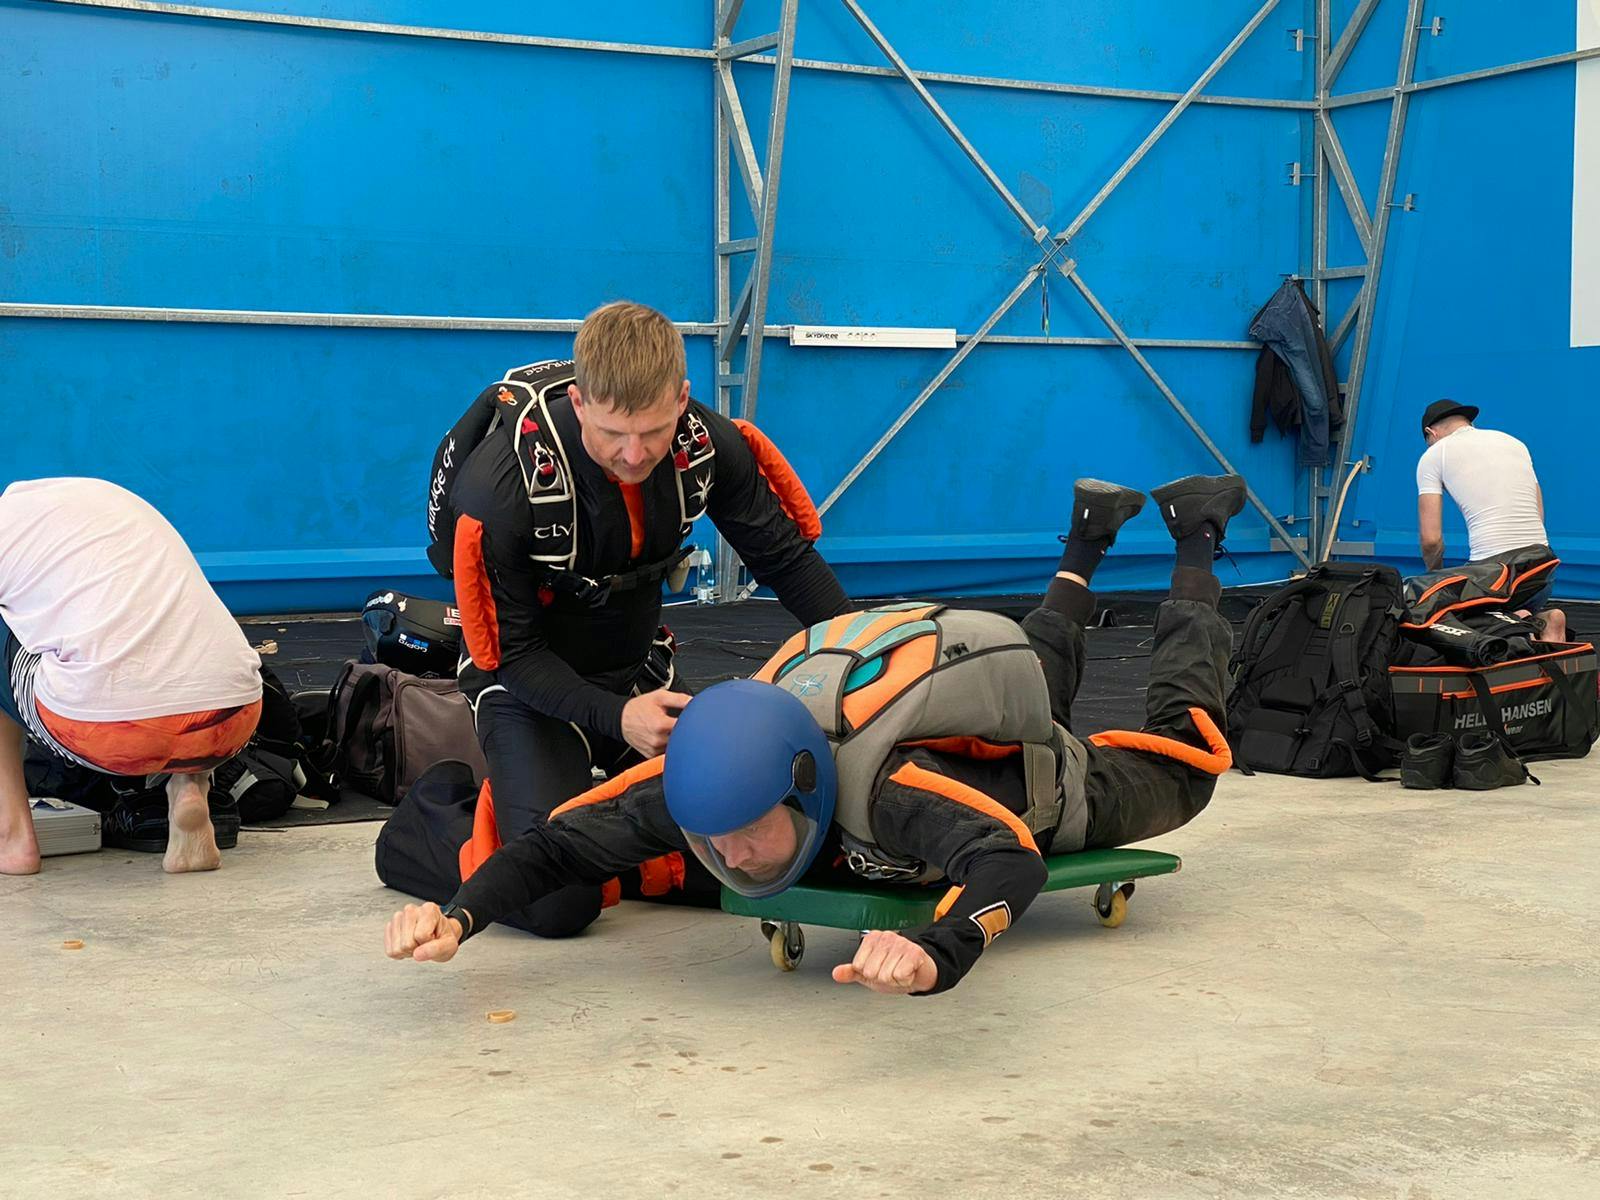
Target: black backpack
{"x":1311,"y":691}
{"x":275,"y":765}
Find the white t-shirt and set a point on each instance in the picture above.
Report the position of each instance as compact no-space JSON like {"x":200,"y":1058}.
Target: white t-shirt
{"x":1490,"y":475}
{"x":96,"y":581}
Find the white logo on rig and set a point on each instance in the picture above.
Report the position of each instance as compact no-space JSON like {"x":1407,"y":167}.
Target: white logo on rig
{"x":440,"y":479}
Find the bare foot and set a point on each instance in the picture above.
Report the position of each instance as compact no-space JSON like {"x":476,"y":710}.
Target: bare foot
{"x":1555,"y":625}
{"x":20,"y":856}
{"x":191,"y":842}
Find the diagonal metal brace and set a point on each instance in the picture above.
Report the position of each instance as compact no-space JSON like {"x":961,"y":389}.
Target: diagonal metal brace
{"x":935,"y":384}
{"x":1173,"y":113}
{"x":1188,"y":418}
{"x":1035,"y":229}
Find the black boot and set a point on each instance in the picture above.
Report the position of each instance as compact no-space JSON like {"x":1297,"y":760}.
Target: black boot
{"x":1484,"y":762}
{"x":1189,"y":504}
{"x":1099,"y":509}
{"x":1428,"y":760}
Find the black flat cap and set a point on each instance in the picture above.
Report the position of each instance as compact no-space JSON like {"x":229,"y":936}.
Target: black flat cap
{"x":1440,"y":409}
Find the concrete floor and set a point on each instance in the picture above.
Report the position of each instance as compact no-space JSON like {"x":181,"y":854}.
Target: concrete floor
{"x":1350,"y":990}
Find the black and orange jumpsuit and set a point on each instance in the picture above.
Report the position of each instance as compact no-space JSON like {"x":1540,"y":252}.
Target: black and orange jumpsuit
{"x":550,"y":671}
{"x":951,"y":805}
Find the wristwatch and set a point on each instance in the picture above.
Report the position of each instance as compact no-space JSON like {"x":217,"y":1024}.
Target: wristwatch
{"x":460,"y":914}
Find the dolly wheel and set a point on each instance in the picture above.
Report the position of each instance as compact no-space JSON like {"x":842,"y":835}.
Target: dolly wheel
{"x":788,"y":943}
{"x":1111,"y":903}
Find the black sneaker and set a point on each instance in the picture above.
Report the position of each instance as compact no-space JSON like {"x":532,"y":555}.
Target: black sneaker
{"x":142,"y":825}
{"x":1428,"y":760}
{"x":1483,"y":762}
{"x":1193,"y":501}
{"x":1099,"y":508}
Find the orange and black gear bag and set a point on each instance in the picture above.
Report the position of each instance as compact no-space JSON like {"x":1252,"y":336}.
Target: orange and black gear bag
{"x":1545,"y":705}
{"x":1310,"y":675}
{"x":1505,"y":583}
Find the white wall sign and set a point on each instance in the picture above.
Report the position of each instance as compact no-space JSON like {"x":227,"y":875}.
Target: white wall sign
{"x":1586,"y":185}
{"x":867,"y":335}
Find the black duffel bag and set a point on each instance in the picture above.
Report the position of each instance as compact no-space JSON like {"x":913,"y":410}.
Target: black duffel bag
{"x":1546,"y":705}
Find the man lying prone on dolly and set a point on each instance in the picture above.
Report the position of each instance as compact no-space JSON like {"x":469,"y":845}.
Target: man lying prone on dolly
{"x":912,"y":744}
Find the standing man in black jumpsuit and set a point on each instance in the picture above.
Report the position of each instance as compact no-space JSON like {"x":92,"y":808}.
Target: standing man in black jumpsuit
{"x":559,"y":537}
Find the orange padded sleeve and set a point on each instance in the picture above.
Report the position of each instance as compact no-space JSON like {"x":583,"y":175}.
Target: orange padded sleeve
{"x":783,"y":481}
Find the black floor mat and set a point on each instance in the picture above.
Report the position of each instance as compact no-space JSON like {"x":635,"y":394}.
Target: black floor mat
{"x":351,"y":807}
{"x":717,"y":642}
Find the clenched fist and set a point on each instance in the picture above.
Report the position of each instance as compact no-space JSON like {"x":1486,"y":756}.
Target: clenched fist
{"x":891,"y":964}
{"x":422,"y":932}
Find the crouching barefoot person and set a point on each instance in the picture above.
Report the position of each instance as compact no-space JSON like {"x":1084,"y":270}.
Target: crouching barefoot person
{"x":115,"y":654}
{"x":911,"y":743}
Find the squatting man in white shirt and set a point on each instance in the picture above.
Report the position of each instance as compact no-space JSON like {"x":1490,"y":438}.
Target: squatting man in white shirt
{"x":1489,"y":474}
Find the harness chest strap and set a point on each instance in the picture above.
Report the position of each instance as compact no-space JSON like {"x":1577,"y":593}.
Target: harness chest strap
{"x":547,"y":474}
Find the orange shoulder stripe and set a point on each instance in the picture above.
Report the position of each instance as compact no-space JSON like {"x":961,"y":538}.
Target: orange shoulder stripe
{"x":783,"y":481}
{"x":912,"y":775}
{"x":1531,"y":571}
{"x":1216,"y":762}
{"x":1505,"y":571}
{"x":613,"y":787}
{"x":480,"y":624}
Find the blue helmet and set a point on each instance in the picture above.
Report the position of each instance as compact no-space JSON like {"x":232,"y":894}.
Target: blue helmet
{"x":739,"y":751}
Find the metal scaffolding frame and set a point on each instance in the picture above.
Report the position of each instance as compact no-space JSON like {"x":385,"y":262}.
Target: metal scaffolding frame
{"x":1372,"y":232}
{"x":1331,"y":161}
{"x":1054,"y":258}
{"x":739,"y":325}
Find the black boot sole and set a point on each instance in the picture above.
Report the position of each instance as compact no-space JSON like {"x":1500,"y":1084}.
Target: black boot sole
{"x":1187,"y":504}
{"x":1100,"y":509}
{"x":1488,"y":766}
{"x":1422,"y":781}
{"x":1487,"y":781}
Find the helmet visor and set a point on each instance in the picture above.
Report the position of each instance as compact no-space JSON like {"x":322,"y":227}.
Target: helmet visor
{"x":771,"y":855}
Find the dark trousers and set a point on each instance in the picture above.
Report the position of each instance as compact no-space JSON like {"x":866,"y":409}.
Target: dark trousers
{"x":1134,"y":794}
{"x":536,"y":764}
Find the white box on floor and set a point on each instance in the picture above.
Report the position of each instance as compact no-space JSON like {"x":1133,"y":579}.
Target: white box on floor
{"x":63,"y":827}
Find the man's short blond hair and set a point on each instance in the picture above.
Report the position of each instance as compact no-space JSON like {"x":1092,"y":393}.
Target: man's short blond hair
{"x":627,"y":355}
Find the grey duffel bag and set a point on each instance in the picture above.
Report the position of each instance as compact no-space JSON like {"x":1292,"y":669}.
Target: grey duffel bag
{"x":385,"y":728}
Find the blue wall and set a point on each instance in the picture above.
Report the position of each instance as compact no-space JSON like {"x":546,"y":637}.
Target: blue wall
{"x":1475,"y":295}
{"x":176,"y":161}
